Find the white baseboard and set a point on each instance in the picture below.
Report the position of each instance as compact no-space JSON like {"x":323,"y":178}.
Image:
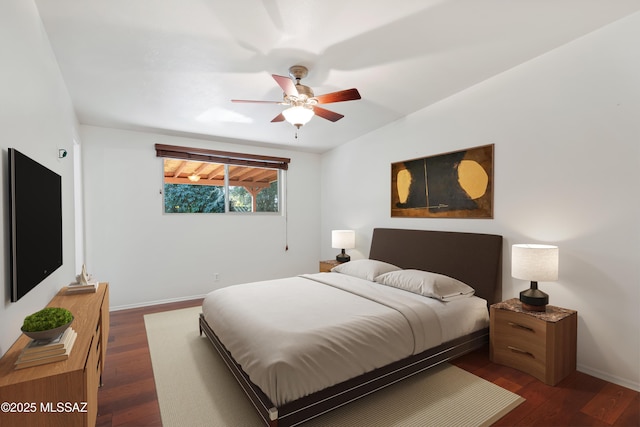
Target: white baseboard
{"x":157,"y":302}
{"x":624,"y":382}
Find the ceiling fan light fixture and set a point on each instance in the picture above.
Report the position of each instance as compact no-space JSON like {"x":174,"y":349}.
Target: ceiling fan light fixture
{"x":298,"y":115}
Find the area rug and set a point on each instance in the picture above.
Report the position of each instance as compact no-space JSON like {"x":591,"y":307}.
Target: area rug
{"x":195,"y":388}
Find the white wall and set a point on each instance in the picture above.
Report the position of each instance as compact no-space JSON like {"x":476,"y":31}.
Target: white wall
{"x":567,"y":168}
{"x":148,"y":256}
{"x":36,"y":117}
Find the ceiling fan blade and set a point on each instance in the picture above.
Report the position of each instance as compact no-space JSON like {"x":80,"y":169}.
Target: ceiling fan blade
{"x":256,"y":102}
{"x":278,"y":118}
{"x":286,"y":84}
{"x":326,"y":114}
{"x":342,"y":95}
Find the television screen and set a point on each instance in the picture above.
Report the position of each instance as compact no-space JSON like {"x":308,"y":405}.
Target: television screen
{"x":35,"y":203}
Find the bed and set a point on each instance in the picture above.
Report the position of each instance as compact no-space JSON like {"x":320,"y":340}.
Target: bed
{"x":376,"y":333}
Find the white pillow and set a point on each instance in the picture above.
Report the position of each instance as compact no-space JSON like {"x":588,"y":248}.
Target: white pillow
{"x":367,"y":269}
{"x":425,"y":283}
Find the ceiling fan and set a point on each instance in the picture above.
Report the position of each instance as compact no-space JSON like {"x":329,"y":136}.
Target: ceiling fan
{"x":302,"y":103}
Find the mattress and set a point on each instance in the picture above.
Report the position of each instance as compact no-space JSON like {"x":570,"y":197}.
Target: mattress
{"x":299,"y":335}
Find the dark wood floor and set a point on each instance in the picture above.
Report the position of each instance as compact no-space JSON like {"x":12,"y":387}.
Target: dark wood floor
{"x":128,"y":396}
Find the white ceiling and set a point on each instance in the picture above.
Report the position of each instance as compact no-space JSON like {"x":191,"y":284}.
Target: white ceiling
{"x":172,"y":66}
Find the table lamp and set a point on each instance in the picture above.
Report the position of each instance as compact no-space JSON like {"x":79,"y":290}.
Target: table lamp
{"x":343,"y":239}
{"x":535,"y":263}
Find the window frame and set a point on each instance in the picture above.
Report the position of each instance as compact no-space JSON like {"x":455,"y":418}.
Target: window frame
{"x":227,"y":159}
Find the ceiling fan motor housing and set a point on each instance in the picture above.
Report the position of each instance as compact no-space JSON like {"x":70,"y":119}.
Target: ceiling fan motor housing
{"x":298,"y":72}
{"x":304,"y":90}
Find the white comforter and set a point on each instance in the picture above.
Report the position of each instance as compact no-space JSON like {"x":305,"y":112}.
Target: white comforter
{"x":301,"y":334}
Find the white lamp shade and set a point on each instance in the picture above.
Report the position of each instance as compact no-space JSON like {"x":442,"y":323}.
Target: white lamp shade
{"x":537,"y":263}
{"x":343,"y":239}
{"x":298,"y":115}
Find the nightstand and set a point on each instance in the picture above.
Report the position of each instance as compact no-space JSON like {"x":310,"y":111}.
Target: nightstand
{"x":326,"y":266}
{"x":542,"y":344}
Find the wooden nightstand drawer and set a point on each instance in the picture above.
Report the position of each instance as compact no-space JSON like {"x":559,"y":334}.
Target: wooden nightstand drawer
{"x":520,"y":327}
{"x":520,"y":342}
{"x":528,"y":334}
{"x":542,"y":344}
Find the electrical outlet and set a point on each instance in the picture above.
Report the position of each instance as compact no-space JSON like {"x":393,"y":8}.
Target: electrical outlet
{"x":216,"y":277}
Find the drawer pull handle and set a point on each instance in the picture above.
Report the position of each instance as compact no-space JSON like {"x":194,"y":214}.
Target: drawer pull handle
{"x":517,"y":350}
{"x":519,"y":326}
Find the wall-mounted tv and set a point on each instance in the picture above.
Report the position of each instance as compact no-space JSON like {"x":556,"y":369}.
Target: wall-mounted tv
{"x":35,"y":206}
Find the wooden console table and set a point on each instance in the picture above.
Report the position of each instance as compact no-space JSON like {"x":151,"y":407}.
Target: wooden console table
{"x":63,"y":394}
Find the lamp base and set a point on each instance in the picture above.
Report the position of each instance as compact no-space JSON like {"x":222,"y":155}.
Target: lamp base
{"x":533,"y":299}
{"x":342,"y":257}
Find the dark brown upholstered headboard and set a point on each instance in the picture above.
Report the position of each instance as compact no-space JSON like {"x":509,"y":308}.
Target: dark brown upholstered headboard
{"x":475,"y":259}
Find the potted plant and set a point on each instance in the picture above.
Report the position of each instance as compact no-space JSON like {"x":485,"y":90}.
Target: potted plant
{"x":47,"y":324}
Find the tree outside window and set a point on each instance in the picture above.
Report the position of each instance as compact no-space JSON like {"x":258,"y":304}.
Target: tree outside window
{"x":203,"y":187}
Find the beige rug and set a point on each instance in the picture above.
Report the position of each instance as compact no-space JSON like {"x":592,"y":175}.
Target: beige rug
{"x":196,"y":389}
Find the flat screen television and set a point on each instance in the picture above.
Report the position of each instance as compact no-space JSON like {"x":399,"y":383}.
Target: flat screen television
{"x":35,"y":206}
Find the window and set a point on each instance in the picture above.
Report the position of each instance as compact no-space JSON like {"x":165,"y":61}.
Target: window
{"x":208,"y":181}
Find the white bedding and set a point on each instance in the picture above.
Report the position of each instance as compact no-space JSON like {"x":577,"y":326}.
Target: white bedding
{"x":301,"y":334}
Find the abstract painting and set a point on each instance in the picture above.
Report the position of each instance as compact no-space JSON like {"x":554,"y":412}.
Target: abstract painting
{"x":451,"y":185}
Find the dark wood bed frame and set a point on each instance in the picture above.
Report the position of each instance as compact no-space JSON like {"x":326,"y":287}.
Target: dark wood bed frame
{"x":475,"y":259}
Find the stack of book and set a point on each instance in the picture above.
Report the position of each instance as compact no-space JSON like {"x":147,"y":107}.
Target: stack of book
{"x":39,"y":352}
{"x":77,"y":288}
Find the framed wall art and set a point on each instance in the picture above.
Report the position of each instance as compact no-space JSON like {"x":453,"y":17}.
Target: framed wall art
{"x":450,"y":185}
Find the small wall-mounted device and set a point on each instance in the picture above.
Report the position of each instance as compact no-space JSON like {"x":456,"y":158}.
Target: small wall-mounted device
{"x":62,"y":153}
